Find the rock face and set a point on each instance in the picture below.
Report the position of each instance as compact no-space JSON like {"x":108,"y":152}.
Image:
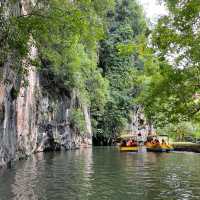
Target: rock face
{"x":36,"y":117}
{"x":139,"y":124}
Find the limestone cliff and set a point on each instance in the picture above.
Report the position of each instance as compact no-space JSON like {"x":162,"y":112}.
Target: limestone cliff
{"x":36,"y":117}
{"x":138,"y":123}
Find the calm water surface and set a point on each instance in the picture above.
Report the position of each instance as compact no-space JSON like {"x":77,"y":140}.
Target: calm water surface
{"x":103,"y":173}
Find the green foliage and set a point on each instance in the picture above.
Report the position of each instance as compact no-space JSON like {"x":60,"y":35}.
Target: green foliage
{"x":170,"y":82}
{"x":166,"y":96}
{"x":120,"y":66}
{"x":180,"y":131}
{"x":77,"y":120}
{"x":66,"y":36}
{"x":177,"y":37}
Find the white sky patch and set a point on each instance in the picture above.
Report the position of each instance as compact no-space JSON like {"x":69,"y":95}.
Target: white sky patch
{"x":153,"y":9}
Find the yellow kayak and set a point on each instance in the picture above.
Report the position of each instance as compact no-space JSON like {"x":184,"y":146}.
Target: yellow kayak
{"x":159,"y":148}
{"x":133,"y":149}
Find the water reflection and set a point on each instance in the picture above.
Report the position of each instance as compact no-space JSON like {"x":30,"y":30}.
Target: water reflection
{"x":103,"y":173}
{"x":24,"y":179}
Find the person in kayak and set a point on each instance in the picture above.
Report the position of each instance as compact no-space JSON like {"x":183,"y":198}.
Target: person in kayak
{"x":134,"y":143}
{"x":163,"y":142}
{"x":123,"y":143}
{"x":129,"y":143}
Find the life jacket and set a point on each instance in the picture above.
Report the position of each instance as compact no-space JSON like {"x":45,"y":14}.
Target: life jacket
{"x":129,"y":143}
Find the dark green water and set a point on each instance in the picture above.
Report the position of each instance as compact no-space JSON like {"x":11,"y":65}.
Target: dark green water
{"x":103,"y":173}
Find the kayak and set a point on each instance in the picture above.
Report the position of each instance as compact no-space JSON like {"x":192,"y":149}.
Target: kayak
{"x":159,"y":148}
{"x":128,"y":149}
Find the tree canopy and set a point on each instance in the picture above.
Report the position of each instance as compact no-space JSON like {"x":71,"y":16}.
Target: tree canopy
{"x":125,"y":23}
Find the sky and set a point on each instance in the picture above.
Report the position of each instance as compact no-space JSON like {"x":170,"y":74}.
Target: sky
{"x":153,"y":9}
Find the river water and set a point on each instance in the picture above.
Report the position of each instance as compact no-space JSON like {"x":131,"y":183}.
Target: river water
{"x":103,"y":173}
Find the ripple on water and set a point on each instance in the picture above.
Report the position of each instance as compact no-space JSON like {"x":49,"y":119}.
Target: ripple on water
{"x":103,"y":173}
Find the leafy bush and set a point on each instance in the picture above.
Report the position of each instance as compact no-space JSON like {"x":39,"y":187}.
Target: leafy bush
{"x":77,"y":120}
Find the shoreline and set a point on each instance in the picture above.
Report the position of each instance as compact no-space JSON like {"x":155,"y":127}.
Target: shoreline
{"x":183,"y":146}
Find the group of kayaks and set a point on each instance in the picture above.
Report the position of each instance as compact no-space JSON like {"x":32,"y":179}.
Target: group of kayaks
{"x":151,"y":146}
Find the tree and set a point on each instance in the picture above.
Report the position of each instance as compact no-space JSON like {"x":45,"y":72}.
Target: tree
{"x":125,"y":24}
{"x":176,"y":40}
